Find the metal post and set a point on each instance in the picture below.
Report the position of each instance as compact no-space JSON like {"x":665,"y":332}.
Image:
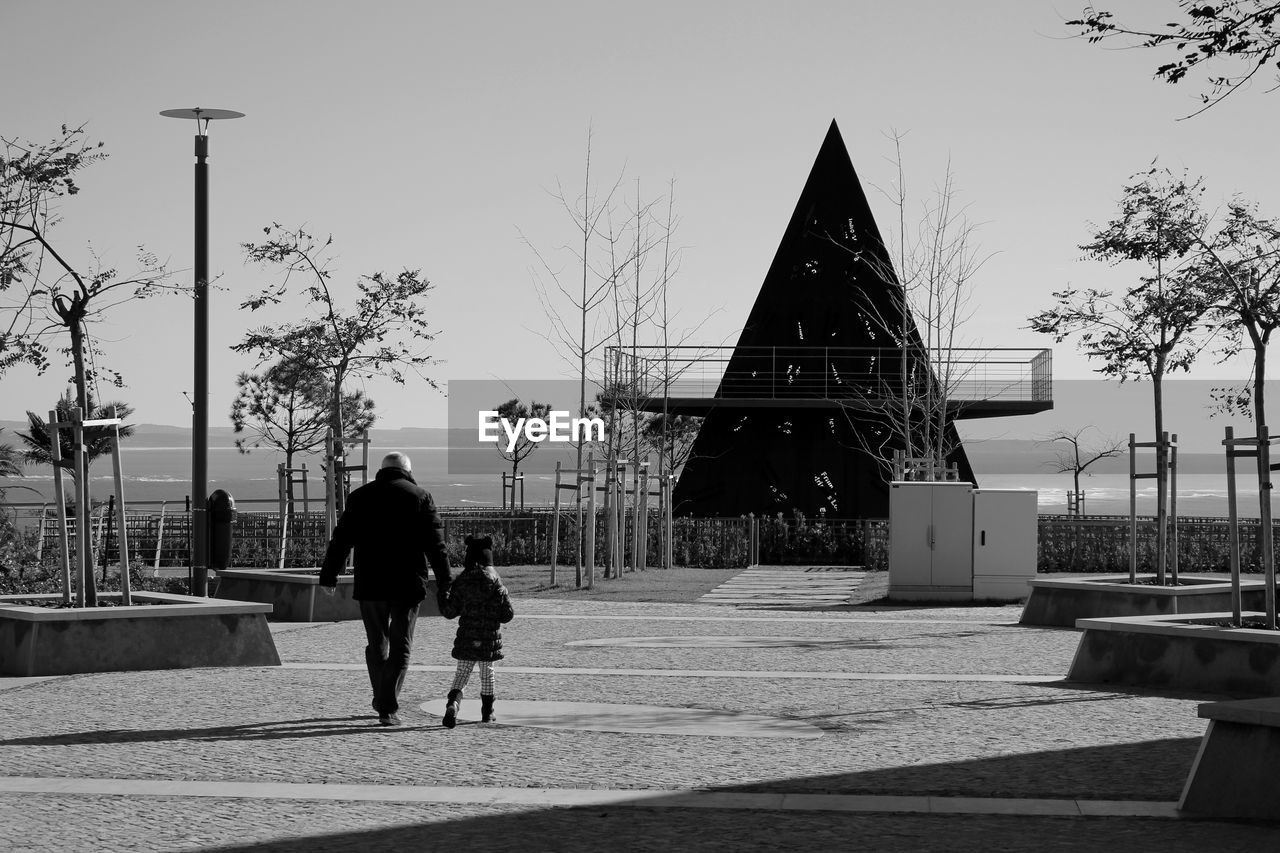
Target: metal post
{"x":609,"y":529}
{"x":1162,"y":506}
{"x":554,"y":546}
{"x":620,"y":522}
{"x":86,"y":592}
{"x":1264,"y":521}
{"x":64,"y":550}
{"x":284,"y":477}
{"x":159,"y":537}
{"x":1173,"y":510}
{"x":636,"y":530}
{"x":671,"y":551}
{"x":123,"y":540}
{"x":1133,"y":510}
{"x":1233,"y":527}
{"x":590,"y":546}
{"x":642,"y":520}
{"x":200,"y":382}
{"x":330,"y":485}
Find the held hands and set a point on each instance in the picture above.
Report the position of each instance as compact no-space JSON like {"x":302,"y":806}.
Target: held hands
{"x":329,"y":590}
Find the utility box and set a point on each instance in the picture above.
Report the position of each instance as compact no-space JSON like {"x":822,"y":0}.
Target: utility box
{"x":950,"y":541}
{"x":931,"y":540}
{"x":1004,"y":543}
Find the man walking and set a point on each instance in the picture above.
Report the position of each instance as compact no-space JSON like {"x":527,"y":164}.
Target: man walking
{"x":393,"y":526}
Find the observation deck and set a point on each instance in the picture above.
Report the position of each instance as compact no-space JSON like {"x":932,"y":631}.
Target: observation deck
{"x":972,"y":382}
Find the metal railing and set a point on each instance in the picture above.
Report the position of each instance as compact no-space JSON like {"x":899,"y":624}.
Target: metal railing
{"x":831,"y":373}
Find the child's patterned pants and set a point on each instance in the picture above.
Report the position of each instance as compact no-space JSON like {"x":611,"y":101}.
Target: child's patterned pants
{"x":464,"y":673}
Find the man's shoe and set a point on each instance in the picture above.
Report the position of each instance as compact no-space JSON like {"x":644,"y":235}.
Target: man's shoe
{"x":389,"y":720}
{"x":452,"y":706}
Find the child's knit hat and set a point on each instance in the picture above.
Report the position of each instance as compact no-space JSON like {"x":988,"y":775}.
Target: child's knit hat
{"x":479,"y":551}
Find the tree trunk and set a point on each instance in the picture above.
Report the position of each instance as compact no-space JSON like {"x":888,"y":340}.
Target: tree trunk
{"x":288,"y":480}
{"x":74,"y":322}
{"x":338,"y":451}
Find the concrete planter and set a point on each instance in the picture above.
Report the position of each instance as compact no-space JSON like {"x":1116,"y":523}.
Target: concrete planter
{"x":161,"y":631}
{"x":1061,"y":603}
{"x":1179,"y":653}
{"x":296,"y":597}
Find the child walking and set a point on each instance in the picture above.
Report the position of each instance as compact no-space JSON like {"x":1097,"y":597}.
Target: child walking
{"x":479,"y":601}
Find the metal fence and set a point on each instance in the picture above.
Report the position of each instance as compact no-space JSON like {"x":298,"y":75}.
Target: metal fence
{"x":159,"y":537}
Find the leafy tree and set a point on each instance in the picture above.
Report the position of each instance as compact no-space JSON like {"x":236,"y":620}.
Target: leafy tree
{"x":43,"y":288}
{"x":288,"y":407}
{"x":1240,"y":35}
{"x":512,"y":411}
{"x":1239,"y":267}
{"x":97,"y":439}
{"x":1148,"y":330}
{"x":383,"y":334}
{"x":671,"y":436}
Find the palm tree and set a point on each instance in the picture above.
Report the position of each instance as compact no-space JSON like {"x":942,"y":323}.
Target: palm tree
{"x":97,"y":439}
{"x":11,"y":460}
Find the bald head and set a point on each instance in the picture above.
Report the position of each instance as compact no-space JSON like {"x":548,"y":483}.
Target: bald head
{"x":397,"y":460}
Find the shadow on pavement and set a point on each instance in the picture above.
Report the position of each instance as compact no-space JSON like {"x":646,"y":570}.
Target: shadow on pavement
{"x":1152,"y":771}
{"x":281,"y":730}
{"x":627,"y":829}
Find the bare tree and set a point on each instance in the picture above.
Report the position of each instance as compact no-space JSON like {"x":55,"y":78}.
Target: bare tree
{"x":572,"y":297}
{"x":929,"y":265}
{"x":1078,"y":455}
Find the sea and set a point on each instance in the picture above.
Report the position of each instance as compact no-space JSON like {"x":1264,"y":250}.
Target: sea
{"x":163,"y":474}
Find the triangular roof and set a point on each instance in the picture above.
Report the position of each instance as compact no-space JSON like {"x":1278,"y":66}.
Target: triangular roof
{"x":831,"y":268}
{"x":831,"y":284}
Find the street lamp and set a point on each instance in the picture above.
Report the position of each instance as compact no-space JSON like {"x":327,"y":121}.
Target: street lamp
{"x":200,"y":405}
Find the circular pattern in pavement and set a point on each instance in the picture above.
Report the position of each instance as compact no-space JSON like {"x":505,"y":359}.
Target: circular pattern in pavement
{"x":727,"y":642}
{"x":632,"y":719}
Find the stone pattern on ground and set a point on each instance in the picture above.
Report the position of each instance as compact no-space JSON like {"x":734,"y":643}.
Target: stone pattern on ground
{"x":938,"y":738}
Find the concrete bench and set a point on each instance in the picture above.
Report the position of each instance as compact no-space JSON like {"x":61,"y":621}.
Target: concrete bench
{"x":1234,"y":771}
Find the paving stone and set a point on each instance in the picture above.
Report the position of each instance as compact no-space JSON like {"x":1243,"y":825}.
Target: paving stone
{"x":942,"y":740}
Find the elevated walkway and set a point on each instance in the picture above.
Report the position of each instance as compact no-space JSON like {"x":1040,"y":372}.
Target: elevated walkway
{"x":989,"y":382}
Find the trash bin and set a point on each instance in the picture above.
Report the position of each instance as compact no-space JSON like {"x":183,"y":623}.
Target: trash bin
{"x":222,"y":512}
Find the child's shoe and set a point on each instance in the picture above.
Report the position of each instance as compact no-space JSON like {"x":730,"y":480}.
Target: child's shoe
{"x":452,"y":706}
{"x":486,"y":709}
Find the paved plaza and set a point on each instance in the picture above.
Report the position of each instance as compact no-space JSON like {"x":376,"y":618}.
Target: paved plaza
{"x":771,"y":715}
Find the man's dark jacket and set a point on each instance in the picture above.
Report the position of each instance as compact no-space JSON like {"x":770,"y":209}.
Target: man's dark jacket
{"x":393,"y":526}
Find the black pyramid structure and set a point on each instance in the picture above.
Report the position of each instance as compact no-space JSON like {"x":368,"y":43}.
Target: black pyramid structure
{"x":829,"y":280}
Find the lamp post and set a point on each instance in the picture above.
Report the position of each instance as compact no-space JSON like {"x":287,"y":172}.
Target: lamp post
{"x":200,"y":391}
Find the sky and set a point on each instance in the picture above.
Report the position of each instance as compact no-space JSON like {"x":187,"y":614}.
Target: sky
{"x":432,"y":136}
